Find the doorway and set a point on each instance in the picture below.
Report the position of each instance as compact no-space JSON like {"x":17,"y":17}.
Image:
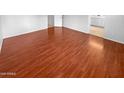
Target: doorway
{"x":97,"y":25}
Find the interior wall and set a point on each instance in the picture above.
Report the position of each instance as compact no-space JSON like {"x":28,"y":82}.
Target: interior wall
{"x":58,"y":20}
{"x":13,"y":25}
{"x":50,"y":20}
{"x":1,"y":37}
{"x":77,"y":22}
{"x":114,"y":27}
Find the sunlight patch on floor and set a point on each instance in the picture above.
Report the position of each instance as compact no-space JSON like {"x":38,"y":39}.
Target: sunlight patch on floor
{"x":97,"y":31}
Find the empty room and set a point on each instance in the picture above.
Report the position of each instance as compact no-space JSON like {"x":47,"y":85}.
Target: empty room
{"x":61,"y":46}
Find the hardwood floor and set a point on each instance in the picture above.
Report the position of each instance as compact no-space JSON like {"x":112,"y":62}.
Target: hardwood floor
{"x":61,"y":52}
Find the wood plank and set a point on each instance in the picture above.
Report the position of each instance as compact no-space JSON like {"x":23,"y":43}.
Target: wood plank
{"x":61,"y":52}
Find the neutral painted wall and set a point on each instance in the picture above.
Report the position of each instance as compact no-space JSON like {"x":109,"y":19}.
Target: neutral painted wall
{"x":1,"y":38}
{"x":114,"y":27}
{"x":77,"y":22}
{"x":54,"y":20}
{"x":58,"y":20}
{"x":13,"y":25}
{"x":50,"y":20}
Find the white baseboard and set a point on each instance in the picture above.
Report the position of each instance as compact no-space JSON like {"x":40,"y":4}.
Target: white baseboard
{"x":114,"y":40}
{"x":18,"y":34}
{"x":76,"y":30}
{"x":100,"y":37}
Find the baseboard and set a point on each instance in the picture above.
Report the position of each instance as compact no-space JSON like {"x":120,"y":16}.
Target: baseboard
{"x":99,"y":37}
{"x":76,"y":30}
{"x":113,"y":40}
{"x":67,"y":28}
{"x":5,"y":37}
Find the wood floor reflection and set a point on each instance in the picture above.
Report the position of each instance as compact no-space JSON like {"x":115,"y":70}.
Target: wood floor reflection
{"x":61,"y":52}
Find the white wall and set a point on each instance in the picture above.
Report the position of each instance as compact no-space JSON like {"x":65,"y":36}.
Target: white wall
{"x":114,"y":27}
{"x":50,"y":20}
{"x":54,"y":20}
{"x":13,"y":25}
{"x":77,"y":22}
{"x":1,"y":38}
{"x":58,"y":20}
